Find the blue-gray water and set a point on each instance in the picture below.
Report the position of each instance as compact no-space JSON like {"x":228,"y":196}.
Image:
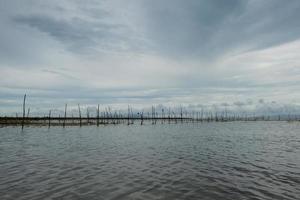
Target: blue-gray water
{"x":236,"y":160}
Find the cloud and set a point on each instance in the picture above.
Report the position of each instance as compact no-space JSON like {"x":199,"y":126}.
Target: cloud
{"x":188,"y":29}
{"x":208,"y":29}
{"x":63,"y":74}
{"x":149,"y":52}
{"x":79,"y":35}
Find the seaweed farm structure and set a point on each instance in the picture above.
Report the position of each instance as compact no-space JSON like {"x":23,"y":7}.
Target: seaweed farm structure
{"x":108,"y":116}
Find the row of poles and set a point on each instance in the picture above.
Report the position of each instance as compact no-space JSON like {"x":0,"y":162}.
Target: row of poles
{"x":108,"y":117}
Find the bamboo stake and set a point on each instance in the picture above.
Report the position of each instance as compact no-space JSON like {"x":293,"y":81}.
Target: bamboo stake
{"x":142,"y":117}
{"x":88,"y":115}
{"x":181,"y":114}
{"x":28,"y":111}
{"x":128,"y":115}
{"x":24,"y":101}
{"x":98,"y":115}
{"x":79,"y":115}
{"x":132,"y":120}
{"x":49,"y":122}
{"x":64,"y":124}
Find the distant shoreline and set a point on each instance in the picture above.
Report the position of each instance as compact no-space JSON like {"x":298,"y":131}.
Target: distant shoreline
{"x":96,"y":121}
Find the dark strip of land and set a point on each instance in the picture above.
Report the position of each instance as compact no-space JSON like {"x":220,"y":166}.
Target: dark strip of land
{"x":77,"y":121}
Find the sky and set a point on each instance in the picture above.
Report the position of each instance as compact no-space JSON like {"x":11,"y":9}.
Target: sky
{"x":233,"y":53}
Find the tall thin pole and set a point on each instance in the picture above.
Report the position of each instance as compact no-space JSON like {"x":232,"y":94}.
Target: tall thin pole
{"x":28,"y":111}
{"x":162,"y":115}
{"x":152,"y":114}
{"x":98,"y":115}
{"x":24,"y":101}
{"x":142,"y":117}
{"x":132,"y":120}
{"x":181,"y":114}
{"x":128,"y":115}
{"x":88,"y":115}
{"x":79,"y":115}
{"x":169,"y":115}
{"x":65,"y":115}
{"x":49,"y":118}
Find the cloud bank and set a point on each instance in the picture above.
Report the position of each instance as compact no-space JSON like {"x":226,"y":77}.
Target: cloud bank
{"x":173,"y":52}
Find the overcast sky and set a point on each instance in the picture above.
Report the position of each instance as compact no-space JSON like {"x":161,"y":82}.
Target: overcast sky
{"x":143,"y":52}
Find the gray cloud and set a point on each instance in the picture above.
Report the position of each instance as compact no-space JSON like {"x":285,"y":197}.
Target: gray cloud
{"x":186,"y":29}
{"x":60,"y":73}
{"x":144,"y":52}
{"x":77,"y":34}
{"x":176,"y":28}
{"x":208,"y":28}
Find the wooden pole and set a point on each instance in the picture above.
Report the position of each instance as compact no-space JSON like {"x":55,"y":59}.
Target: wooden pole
{"x":88,"y":116}
{"x":79,"y":115}
{"x":28,"y":111}
{"x":142,"y":117}
{"x":98,"y":115}
{"x":152,"y":114}
{"x":181,"y":114}
{"x":169,"y":115}
{"x":24,"y":101}
{"x":128,"y":115}
{"x":132,"y":120}
{"x":64,"y":124}
{"x":49,"y":118}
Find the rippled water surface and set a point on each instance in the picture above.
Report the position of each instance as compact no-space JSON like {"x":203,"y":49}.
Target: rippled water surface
{"x":238,"y":160}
